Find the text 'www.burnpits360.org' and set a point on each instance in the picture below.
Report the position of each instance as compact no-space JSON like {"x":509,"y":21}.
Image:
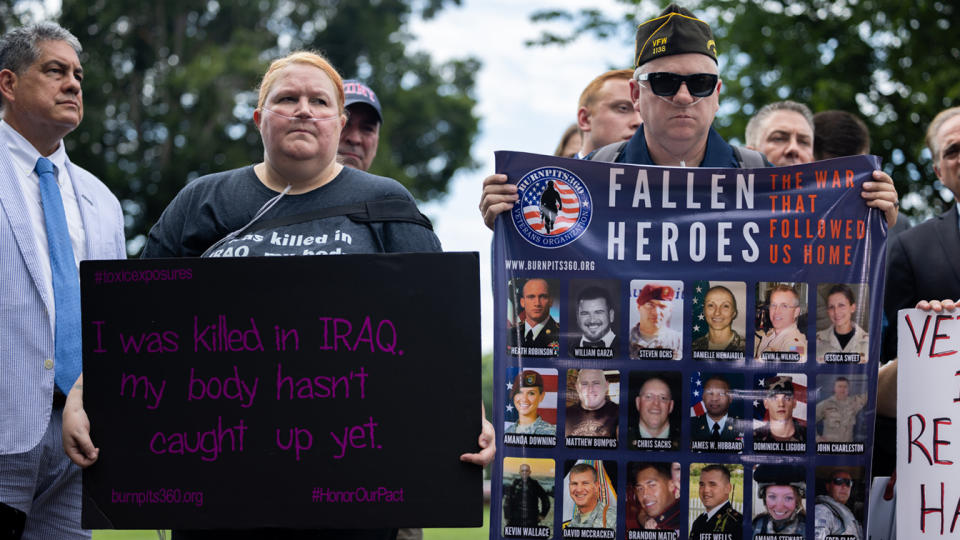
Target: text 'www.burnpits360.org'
{"x":157,"y":496}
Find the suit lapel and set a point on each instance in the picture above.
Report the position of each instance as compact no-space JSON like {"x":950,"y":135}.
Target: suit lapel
{"x":15,"y":208}
{"x":948,"y":234}
{"x":89,"y":213}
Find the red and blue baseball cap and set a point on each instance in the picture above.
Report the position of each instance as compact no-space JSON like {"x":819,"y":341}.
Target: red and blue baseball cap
{"x":356,"y":92}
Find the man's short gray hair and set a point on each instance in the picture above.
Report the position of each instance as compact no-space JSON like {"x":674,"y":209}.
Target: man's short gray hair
{"x":19,"y":48}
{"x":932,"y":143}
{"x":756,"y":123}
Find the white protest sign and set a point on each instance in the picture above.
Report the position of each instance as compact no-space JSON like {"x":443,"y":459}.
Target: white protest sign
{"x":928,"y":442}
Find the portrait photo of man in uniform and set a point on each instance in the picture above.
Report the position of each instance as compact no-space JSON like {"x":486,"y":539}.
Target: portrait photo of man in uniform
{"x":717,"y":513}
{"x":715,"y":415}
{"x":532,"y":317}
{"x":842,"y":323}
{"x":654,"y":417}
{"x":531,"y":407}
{"x":718,"y":325}
{"x":656,"y":320}
{"x":842,"y":399}
{"x":781,"y":413}
{"x":590,"y":495}
{"x":653,"y":504}
{"x":593,"y":397}
{"x":593,"y":307}
{"x":838,"y":508}
{"x":781,"y":322}
{"x":527,"y":496}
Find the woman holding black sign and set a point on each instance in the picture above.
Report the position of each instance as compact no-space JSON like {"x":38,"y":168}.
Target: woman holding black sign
{"x":298,"y":201}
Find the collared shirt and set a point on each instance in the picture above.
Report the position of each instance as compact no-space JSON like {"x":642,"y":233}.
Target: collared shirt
{"x":717,"y":508}
{"x":664,"y":434}
{"x":536,"y":329}
{"x":607,"y":339}
{"x":790,"y":339}
{"x":722,"y":423}
{"x":717,"y":154}
{"x":24,"y":158}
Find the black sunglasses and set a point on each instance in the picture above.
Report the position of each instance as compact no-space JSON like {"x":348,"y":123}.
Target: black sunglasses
{"x":664,"y":83}
{"x":842,"y":481}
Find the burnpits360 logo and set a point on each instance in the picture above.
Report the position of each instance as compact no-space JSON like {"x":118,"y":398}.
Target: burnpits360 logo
{"x":555,"y":207}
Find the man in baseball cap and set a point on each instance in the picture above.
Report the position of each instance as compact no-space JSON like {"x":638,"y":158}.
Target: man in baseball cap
{"x":654,"y":304}
{"x":675,"y":87}
{"x":359,"y":138}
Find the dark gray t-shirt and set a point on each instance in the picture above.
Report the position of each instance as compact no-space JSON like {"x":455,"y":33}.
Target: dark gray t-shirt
{"x":215,"y":205}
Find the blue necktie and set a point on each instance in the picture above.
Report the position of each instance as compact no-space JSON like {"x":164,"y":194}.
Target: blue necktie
{"x":66,"y":281}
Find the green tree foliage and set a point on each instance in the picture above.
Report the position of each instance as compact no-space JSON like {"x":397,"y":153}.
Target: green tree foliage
{"x":893,"y":63}
{"x":486,"y":383}
{"x":169,"y":89}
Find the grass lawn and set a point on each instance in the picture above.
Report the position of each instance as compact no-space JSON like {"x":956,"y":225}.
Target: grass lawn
{"x":477,"y":533}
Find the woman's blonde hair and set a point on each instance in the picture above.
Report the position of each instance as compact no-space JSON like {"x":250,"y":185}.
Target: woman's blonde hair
{"x":301,"y":57}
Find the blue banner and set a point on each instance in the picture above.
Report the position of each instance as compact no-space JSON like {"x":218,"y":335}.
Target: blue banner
{"x":685,"y":353}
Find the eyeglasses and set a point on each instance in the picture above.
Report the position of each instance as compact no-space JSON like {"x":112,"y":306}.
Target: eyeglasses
{"x":842,"y":481}
{"x":666,"y":84}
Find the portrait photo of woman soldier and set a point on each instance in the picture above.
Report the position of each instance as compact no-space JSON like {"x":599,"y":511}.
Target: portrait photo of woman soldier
{"x":838,"y":508}
{"x":531,"y":407}
{"x":594,"y":309}
{"x":528,"y":497}
{"x":778,"y":494}
{"x":841,"y":399}
{"x":842,"y":322}
{"x":719,"y":322}
{"x":781,"y":322}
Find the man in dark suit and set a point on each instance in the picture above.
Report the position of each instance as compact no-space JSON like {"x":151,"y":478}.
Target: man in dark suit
{"x":595,"y":317}
{"x":720,"y":520}
{"x":924,"y":262}
{"x":716,"y":424}
{"x":539,"y":330}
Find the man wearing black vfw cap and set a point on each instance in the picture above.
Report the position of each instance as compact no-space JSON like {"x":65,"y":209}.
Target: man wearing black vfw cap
{"x":676,"y":90}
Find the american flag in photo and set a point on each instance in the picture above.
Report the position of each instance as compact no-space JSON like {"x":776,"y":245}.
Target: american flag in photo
{"x":608,"y":492}
{"x":567,"y":216}
{"x":547,"y":408}
{"x":696,"y":395}
{"x":762,"y":381}
{"x":699,"y":327}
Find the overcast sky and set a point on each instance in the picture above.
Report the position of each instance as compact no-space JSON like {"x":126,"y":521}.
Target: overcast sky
{"x":527,"y":97}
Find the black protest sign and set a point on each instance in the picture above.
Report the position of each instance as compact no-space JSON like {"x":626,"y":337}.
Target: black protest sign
{"x":302,"y":392}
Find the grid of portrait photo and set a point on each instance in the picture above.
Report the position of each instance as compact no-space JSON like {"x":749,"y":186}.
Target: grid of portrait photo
{"x":658,"y":409}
